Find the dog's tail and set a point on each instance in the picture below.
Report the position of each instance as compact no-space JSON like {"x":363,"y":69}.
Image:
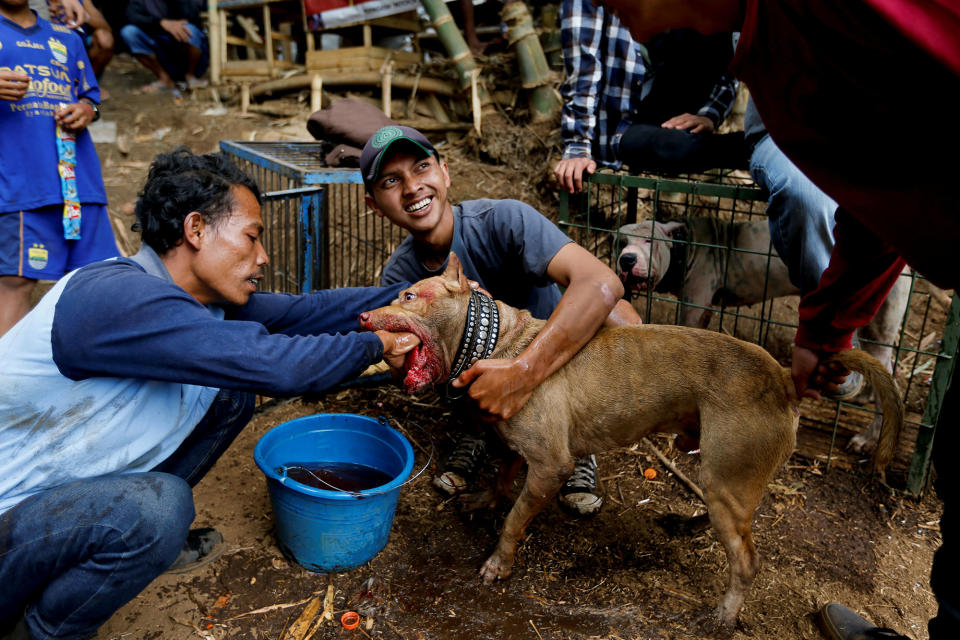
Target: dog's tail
{"x":891,"y":402}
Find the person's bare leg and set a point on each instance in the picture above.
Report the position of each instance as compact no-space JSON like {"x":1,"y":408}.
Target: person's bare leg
{"x":99,"y":58}
{"x":193,"y":61}
{"x":15,"y":292}
{"x":470,"y":28}
{"x":152,"y":63}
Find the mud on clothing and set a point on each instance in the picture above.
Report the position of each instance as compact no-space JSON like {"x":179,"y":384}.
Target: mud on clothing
{"x":116,"y":365}
{"x":505,"y":245}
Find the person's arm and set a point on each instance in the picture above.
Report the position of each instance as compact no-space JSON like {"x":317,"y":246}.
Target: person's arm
{"x":76,"y":116}
{"x":327,"y":311}
{"x":711,"y":114}
{"x":581,"y":32}
{"x":861,"y":272}
{"x":502,"y":386}
{"x":156,"y":331}
{"x":96,"y":19}
{"x":720,"y":103}
{"x":69,"y":12}
{"x":623,"y":313}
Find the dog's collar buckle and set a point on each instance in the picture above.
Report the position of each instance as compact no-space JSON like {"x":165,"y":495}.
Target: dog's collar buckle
{"x":479,"y":334}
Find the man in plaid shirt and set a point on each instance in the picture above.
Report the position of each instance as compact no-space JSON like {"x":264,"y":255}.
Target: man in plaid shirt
{"x":650,"y":107}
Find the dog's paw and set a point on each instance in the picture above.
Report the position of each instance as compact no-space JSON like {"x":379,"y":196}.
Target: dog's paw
{"x":495,"y":568}
{"x":862,"y":444}
{"x":486,"y":499}
{"x":709,"y":624}
{"x":865,"y":442}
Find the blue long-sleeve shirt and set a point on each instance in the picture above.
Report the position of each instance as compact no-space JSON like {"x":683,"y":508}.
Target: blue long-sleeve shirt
{"x":116,"y":365}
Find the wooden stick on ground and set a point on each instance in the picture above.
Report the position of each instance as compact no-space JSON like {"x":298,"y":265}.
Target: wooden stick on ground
{"x":673,"y":469}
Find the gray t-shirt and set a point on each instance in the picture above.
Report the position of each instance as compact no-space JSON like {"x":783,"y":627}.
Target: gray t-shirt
{"x":505,"y":245}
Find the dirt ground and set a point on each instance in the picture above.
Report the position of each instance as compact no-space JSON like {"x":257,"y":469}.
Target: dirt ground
{"x":625,"y":574}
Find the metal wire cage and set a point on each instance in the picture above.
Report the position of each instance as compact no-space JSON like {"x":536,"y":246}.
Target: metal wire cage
{"x":318,"y":231}
{"x":924,"y":350}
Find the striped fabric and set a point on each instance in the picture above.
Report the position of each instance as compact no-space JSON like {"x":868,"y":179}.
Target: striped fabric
{"x":607,"y":75}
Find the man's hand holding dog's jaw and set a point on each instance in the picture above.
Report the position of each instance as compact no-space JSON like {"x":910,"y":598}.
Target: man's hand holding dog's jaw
{"x":396,"y":346}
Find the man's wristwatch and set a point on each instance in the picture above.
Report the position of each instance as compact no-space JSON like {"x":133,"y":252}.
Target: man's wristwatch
{"x":95,"y":107}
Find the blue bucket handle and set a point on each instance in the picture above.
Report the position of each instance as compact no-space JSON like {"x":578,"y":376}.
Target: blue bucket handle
{"x":282,"y":469}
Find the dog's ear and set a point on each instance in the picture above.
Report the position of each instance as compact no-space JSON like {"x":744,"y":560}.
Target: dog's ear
{"x":669,"y":227}
{"x":453,"y":274}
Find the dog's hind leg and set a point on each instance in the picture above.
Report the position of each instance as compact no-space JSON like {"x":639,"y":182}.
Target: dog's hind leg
{"x":542,"y":484}
{"x":731,"y":512}
{"x":735,"y":470}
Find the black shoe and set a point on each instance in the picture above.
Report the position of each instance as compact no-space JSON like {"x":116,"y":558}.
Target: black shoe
{"x":202,"y":547}
{"x":580,"y":494}
{"x":17,"y":632}
{"x":839,"y":623}
{"x":462,"y":465}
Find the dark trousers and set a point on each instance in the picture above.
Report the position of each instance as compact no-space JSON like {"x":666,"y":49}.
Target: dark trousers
{"x":946,"y":561}
{"x":650,"y":147}
{"x":72,"y":555}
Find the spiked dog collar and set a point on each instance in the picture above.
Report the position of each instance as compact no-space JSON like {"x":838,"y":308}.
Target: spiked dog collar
{"x":479,"y":334}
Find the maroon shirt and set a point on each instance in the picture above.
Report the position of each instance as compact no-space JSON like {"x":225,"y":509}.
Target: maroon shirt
{"x":870,"y":116}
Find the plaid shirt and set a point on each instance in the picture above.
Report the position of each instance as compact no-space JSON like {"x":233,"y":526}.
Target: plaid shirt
{"x":607,"y":75}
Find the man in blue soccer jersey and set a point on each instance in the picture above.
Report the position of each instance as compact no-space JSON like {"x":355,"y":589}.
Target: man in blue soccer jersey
{"x":46,"y":86}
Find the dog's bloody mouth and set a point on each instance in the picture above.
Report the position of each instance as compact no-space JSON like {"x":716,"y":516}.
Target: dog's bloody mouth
{"x":417,"y":370}
{"x":423,"y":365}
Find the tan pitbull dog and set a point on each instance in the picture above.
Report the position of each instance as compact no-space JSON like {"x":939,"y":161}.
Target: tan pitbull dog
{"x":731,"y":395}
{"x":657,"y":255}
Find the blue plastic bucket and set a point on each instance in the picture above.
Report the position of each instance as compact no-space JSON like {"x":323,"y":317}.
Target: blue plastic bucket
{"x":326,"y":530}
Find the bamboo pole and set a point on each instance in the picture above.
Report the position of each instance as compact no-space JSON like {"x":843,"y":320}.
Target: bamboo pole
{"x":436,"y":108}
{"x":316,"y":93}
{"x":534,"y":71}
{"x":213,"y":27}
{"x":244,"y":97}
{"x":430,"y":125}
{"x":387,"y":90}
{"x":268,"y":38}
{"x":372,"y":78}
{"x":307,"y":31}
{"x":550,"y":36}
{"x":456,"y":47}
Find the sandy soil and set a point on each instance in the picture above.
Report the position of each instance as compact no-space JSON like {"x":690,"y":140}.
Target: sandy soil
{"x":628,"y":573}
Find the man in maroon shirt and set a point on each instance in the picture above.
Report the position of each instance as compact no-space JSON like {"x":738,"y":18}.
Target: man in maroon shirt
{"x":861,"y":96}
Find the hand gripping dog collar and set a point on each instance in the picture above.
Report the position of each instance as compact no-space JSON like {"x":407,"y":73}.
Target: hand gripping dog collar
{"x":479,"y":335}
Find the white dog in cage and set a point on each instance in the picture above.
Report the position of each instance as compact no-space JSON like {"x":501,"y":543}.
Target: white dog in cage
{"x":708,"y":262}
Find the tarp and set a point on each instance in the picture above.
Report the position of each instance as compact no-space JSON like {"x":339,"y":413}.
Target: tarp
{"x":323,"y":14}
